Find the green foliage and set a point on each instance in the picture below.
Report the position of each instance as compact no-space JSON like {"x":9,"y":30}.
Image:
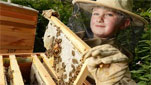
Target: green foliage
{"x":141,"y":66}
{"x":142,"y":7}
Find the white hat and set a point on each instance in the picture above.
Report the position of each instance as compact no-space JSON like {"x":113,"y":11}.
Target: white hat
{"x":121,"y":5}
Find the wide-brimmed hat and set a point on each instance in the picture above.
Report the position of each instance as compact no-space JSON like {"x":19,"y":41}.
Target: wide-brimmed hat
{"x":121,"y":5}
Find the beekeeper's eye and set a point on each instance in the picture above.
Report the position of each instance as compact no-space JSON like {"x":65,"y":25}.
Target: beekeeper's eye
{"x":109,"y":14}
{"x":95,"y":13}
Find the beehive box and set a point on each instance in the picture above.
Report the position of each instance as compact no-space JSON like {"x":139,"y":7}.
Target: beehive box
{"x":65,"y":53}
{"x":17,"y":28}
{"x":25,"y":69}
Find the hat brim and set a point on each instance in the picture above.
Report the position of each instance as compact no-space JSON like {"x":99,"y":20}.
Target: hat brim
{"x":89,"y":5}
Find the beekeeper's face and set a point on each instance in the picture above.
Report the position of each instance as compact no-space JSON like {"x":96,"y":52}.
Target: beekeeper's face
{"x":104,"y":23}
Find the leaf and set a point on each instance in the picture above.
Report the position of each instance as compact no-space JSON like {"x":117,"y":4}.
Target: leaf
{"x":144,"y":79}
{"x":145,"y":57}
{"x":142,"y":51}
{"x":148,"y":76}
{"x":142,"y":83}
{"x":137,"y":71}
{"x":145,"y":66}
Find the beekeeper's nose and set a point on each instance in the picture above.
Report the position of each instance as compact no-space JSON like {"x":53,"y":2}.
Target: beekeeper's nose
{"x":100,"y":18}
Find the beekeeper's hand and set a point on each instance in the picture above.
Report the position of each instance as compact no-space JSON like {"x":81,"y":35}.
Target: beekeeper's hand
{"x":107,"y":53}
{"x":106,"y":64}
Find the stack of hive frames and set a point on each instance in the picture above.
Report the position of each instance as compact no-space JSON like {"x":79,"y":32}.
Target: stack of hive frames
{"x":66,"y":51}
{"x":15,"y":68}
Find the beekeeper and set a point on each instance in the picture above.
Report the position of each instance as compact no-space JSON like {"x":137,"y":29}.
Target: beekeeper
{"x":108,"y":61}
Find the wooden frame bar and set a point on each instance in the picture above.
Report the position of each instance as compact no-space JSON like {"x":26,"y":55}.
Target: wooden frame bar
{"x":2,"y":79}
{"x":15,"y":71}
{"x":42,"y":71}
{"x":48,"y":66}
{"x":11,"y":19}
{"x":82,"y":75}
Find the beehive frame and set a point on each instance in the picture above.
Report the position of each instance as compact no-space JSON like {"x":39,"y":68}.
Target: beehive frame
{"x":78,"y":44}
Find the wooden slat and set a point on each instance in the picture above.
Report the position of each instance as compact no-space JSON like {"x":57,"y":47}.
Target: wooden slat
{"x":19,"y":60}
{"x":77,"y":42}
{"x":42,"y":71}
{"x":15,"y":71}
{"x":2,"y":79}
{"x":86,"y":83}
{"x":12,"y":19}
{"x":17,"y":29}
{"x":15,"y":24}
{"x":17,"y":15}
{"x":82,"y":75}
{"x":50,"y":60}
{"x":35,"y":77}
{"x":14,"y":39}
{"x":49,"y":66}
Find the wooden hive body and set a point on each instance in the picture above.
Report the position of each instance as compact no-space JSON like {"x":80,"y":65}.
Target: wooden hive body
{"x":17,"y":28}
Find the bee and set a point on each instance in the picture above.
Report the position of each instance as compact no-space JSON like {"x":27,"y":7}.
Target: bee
{"x":59,"y":40}
{"x":64,"y":76}
{"x":58,"y":33}
{"x":70,"y":74}
{"x":73,"y":67}
{"x":54,"y":26}
{"x":63,"y":65}
{"x":73,"y":53}
{"x":74,"y":61}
